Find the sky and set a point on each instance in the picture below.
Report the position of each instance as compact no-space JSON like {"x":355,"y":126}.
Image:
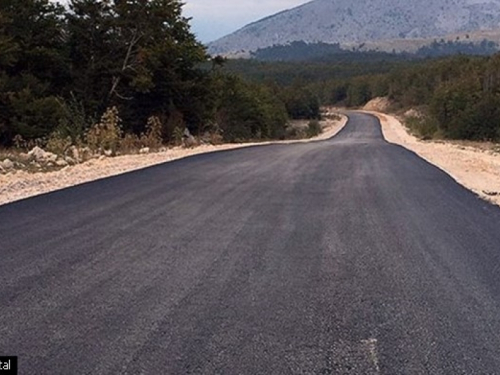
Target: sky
{"x":212,"y":19}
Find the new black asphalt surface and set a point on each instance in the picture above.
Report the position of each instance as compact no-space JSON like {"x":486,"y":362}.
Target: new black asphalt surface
{"x":348,"y":256}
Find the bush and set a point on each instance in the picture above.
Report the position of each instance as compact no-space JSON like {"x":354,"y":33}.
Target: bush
{"x":106,"y":135}
{"x":174,"y":127}
{"x":216,"y":138}
{"x":33,"y":117}
{"x":130,"y":143}
{"x":314,"y":128}
{"x":301,"y":103}
{"x":178,"y":136}
{"x":153,"y":136}
{"x":74,"y":120}
{"x":58,"y":144}
{"x":247,"y":111}
{"x":424,"y":127}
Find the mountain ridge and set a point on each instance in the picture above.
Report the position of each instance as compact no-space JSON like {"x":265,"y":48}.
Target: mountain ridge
{"x":347,"y":23}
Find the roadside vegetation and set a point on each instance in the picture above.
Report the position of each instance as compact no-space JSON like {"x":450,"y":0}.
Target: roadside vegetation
{"x":455,"y":97}
{"x":451,"y":98}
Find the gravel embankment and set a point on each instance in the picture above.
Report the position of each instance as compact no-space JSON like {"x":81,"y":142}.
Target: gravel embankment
{"x":476,"y":169}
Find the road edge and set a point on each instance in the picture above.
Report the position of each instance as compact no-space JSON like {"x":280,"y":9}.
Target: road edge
{"x":441,"y":154}
{"x":23,"y":185}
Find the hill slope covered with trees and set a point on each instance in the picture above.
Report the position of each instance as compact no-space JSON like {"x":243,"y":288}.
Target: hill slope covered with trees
{"x":457,"y":97}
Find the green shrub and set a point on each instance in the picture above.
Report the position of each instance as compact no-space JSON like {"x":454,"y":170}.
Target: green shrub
{"x":74,"y":120}
{"x":153,"y":136}
{"x":424,"y":127}
{"x":248,"y":111}
{"x":314,"y":128}
{"x":106,"y":135}
{"x":177,"y":136}
{"x":58,"y":143}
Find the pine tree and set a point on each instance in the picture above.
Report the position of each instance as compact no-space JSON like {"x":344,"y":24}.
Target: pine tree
{"x":138,"y":55}
{"x":32,"y":67}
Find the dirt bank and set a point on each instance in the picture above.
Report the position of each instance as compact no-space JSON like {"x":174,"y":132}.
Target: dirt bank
{"x":475,"y":168}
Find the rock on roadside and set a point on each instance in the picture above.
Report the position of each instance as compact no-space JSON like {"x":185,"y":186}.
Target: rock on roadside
{"x":61,"y":163}
{"x":41,"y":156}
{"x":7,"y":164}
{"x":37,"y":153}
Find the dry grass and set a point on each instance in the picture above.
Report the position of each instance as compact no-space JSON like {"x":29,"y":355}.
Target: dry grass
{"x":22,"y":184}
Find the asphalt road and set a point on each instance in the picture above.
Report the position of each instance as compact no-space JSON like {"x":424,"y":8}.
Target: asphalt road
{"x":348,"y":256}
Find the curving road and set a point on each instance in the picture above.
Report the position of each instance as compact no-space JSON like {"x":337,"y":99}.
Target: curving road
{"x":348,"y":256}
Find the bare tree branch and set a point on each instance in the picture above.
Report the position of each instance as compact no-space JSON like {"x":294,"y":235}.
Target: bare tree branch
{"x":126,"y":65}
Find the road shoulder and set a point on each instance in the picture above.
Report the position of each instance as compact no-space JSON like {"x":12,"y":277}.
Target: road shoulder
{"x":477,"y":170}
{"x":22,"y":184}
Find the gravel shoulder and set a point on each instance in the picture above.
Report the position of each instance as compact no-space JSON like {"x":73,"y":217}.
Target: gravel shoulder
{"x":474,"y":168}
{"x":19,"y":185}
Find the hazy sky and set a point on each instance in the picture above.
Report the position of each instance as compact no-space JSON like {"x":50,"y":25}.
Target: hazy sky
{"x":212,"y":19}
{"x":215,"y":18}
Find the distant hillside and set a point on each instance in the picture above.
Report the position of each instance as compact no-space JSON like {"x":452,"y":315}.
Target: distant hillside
{"x":301,"y":51}
{"x":350,"y":22}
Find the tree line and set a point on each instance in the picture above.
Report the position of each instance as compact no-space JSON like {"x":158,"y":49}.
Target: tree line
{"x":335,"y":53}
{"x":62,"y":68}
{"x":457,"y":97}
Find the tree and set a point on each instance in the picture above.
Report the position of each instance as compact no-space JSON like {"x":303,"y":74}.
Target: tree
{"x":139,"y":55}
{"x":32,"y":67}
{"x":92,"y":51}
{"x":300,"y":102}
{"x":248,"y":111}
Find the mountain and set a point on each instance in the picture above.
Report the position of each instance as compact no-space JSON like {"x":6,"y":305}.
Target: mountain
{"x":350,"y":22}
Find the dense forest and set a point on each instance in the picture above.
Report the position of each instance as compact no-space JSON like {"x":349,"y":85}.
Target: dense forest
{"x":456,"y":97}
{"x":334,"y":53}
{"x":129,"y":69}
{"x":104,"y":72}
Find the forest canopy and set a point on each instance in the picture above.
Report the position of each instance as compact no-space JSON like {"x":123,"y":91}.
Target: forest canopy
{"x":62,"y":68}
{"x":457,"y":97}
